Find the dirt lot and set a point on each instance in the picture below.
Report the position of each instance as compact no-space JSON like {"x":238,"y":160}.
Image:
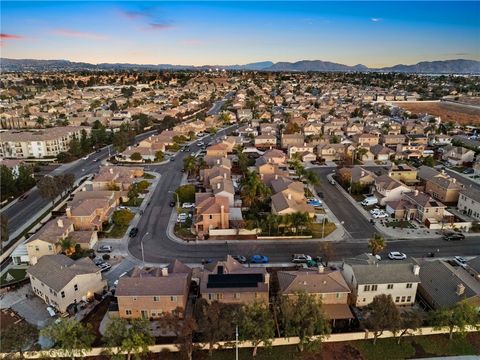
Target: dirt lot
{"x":447,"y":111}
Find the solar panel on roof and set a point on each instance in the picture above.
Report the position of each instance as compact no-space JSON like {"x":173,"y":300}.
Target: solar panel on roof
{"x":234,"y":280}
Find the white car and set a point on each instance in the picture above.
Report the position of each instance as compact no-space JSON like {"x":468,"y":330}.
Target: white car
{"x":375,"y":211}
{"x":188,"y":206}
{"x":460,"y":261}
{"x":380,"y":215}
{"x":395,"y":255}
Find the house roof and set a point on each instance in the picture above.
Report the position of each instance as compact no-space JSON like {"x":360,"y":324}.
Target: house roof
{"x":422,"y":199}
{"x":212,"y":205}
{"x":51,"y":232}
{"x":471,"y":193}
{"x":384,"y":272}
{"x":387,"y":183}
{"x":440,"y":280}
{"x":281,"y":202}
{"x":56,"y":271}
{"x":312,"y":282}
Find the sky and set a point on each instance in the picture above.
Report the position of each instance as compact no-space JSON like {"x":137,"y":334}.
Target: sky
{"x":375,"y":34}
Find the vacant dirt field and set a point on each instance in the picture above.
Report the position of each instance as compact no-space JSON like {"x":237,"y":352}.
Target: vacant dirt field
{"x":463,"y":114}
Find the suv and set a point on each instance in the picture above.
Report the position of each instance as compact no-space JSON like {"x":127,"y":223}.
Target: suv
{"x":133,"y":232}
{"x":104,"y":249}
{"x":301,"y":258}
{"x":453,"y":236}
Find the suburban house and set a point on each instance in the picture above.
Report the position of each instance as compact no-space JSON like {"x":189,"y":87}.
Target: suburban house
{"x":404,"y":173}
{"x":356,"y":175}
{"x":265,"y":140}
{"x":284,"y":203}
{"x":293,"y":149}
{"x":292,"y":140}
{"x":211,"y":213}
{"x":381,"y":153}
{"x":440,"y":185}
{"x":44,"y":241}
{"x":366,"y":139}
{"x":443,"y":285}
{"x":457,"y":155}
{"x":217,"y":150}
{"x":418,"y":206}
{"x":274,"y":156}
{"x":120,"y":177}
{"x":388,"y":189}
{"x":393,"y":140}
{"x":230,"y":282}
{"x":367,"y":277}
{"x":327,"y":285}
{"x":469,"y":202}
{"x":62,"y":282}
{"x":150,"y":292}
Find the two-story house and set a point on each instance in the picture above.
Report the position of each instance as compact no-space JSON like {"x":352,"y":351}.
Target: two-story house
{"x":367,"y":277}
{"x":62,"y":282}
{"x":440,"y":185}
{"x":150,"y":292}
{"x":388,"y":189}
{"x":469,"y":202}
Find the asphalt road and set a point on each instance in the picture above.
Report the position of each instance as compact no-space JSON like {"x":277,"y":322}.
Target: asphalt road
{"x":217,"y":106}
{"x":22,"y":210}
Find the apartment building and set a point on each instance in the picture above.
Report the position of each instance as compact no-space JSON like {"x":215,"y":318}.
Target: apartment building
{"x":38,"y":143}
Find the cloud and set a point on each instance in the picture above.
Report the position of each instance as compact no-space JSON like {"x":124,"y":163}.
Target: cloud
{"x":376,"y":19}
{"x":159,"y":26}
{"x":134,"y":14}
{"x":11,"y":37}
{"x":78,"y":34}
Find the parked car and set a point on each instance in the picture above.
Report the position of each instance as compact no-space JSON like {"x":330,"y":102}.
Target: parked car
{"x":395,"y":255}
{"x":172,"y":203}
{"x":331,"y":181}
{"x":188,"y":205}
{"x":301,"y":258}
{"x":371,"y":200}
{"x":22,"y":197}
{"x":105,"y":249}
{"x":314,"y":202}
{"x":259,"y":259}
{"x":453,"y":236}
{"x":240,"y":258}
{"x":460,"y":261}
{"x":105,"y":267}
{"x":181,"y":218}
{"x":468,"y":171}
{"x":378,"y":257}
{"x":133,"y":232}
{"x":375,"y":211}
{"x":172,"y":158}
{"x":98,"y":261}
{"x":380,"y":215}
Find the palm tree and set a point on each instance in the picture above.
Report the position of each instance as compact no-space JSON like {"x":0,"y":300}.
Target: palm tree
{"x":189,"y":164}
{"x":376,"y":244}
{"x":67,"y":245}
{"x":253,"y":190}
{"x":310,"y":177}
{"x":361,"y":153}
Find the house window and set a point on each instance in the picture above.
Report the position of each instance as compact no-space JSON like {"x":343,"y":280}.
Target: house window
{"x":409,"y":298}
{"x":390,"y":286}
{"x":409,"y":285}
{"x":366,"y":288}
{"x":403,"y":298}
{"x":257,"y":295}
{"x":374,"y":287}
{"x":219,"y":296}
{"x":37,"y":248}
{"x":134,"y":298}
{"x":236,"y":296}
{"x":338,"y":295}
{"x":173,"y":298}
{"x":50,"y":248}
{"x":397,"y":299}
{"x":156,"y":298}
{"x":211,"y":217}
{"x":62,"y":294}
{"x":210,"y":296}
{"x":128,"y":312}
{"x":75,"y":287}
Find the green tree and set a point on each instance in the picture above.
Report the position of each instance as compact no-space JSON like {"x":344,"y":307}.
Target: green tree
{"x":136,"y":156}
{"x":7,"y":183}
{"x":410,"y":322}
{"x":74,"y":148}
{"x":47,"y":187}
{"x":159,"y":156}
{"x":303,"y":316}
{"x":120,"y":140}
{"x":67,"y":245}
{"x":183,"y":328}
{"x":122,"y":217}
{"x":132,"y":338}
{"x":256,"y":325}
{"x":3,"y":227}
{"x":215,"y":321}
{"x":25,"y":180}
{"x":292,"y":128}
{"x":189,"y":164}
{"x":253,"y":190}
{"x":376,"y":244}
{"x":70,"y":336}
{"x":456,"y":318}
{"x":383,"y":316}
{"x":98,"y":134}
{"x":85,"y":144}
{"x":429,"y":161}
{"x":18,"y":337}
{"x":186,"y":193}
{"x":65,"y":182}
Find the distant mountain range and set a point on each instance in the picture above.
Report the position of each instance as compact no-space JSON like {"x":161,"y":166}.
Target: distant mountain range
{"x":459,"y":66}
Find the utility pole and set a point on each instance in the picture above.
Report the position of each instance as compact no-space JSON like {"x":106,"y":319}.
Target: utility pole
{"x":236,"y":342}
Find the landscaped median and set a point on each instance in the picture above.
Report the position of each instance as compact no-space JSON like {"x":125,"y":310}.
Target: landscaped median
{"x":352,"y":346}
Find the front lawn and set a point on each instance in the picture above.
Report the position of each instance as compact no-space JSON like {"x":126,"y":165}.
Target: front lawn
{"x":317,"y":229}
{"x":121,"y":221}
{"x":135,"y":202}
{"x":148,"y":176}
{"x":16,"y":274}
{"x":384,"y":349}
{"x":403,"y":224}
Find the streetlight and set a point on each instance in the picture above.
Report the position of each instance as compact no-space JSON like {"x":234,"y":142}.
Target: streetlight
{"x":141,"y":247}
{"x":178,"y":201}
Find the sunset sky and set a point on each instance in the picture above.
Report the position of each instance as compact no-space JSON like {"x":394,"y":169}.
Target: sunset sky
{"x":371,"y":33}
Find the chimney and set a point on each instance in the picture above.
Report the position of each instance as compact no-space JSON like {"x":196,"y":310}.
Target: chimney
{"x":289,"y":196}
{"x":60,"y":223}
{"x":363,"y":173}
{"x":164,"y":272}
{"x":415,"y":192}
{"x":460,"y":289}
{"x":276,"y":176}
{"x":110,"y":170}
{"x":454,"y":180}
{"x":218,"y":186}
{"x":416,"y":270}
{"x":321,"y":268}
{"x":224,"y":175}
{"x":266,"y":278}
{"x":218,"y":161}
{"x":68,"y":211}
{"x":222,"y":216}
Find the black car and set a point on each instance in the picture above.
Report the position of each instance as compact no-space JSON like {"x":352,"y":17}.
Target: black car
{"x":133,"y":232}
{"x":240,"y":258}
{"x":172,"y":203}
{"x":453,"y":237}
